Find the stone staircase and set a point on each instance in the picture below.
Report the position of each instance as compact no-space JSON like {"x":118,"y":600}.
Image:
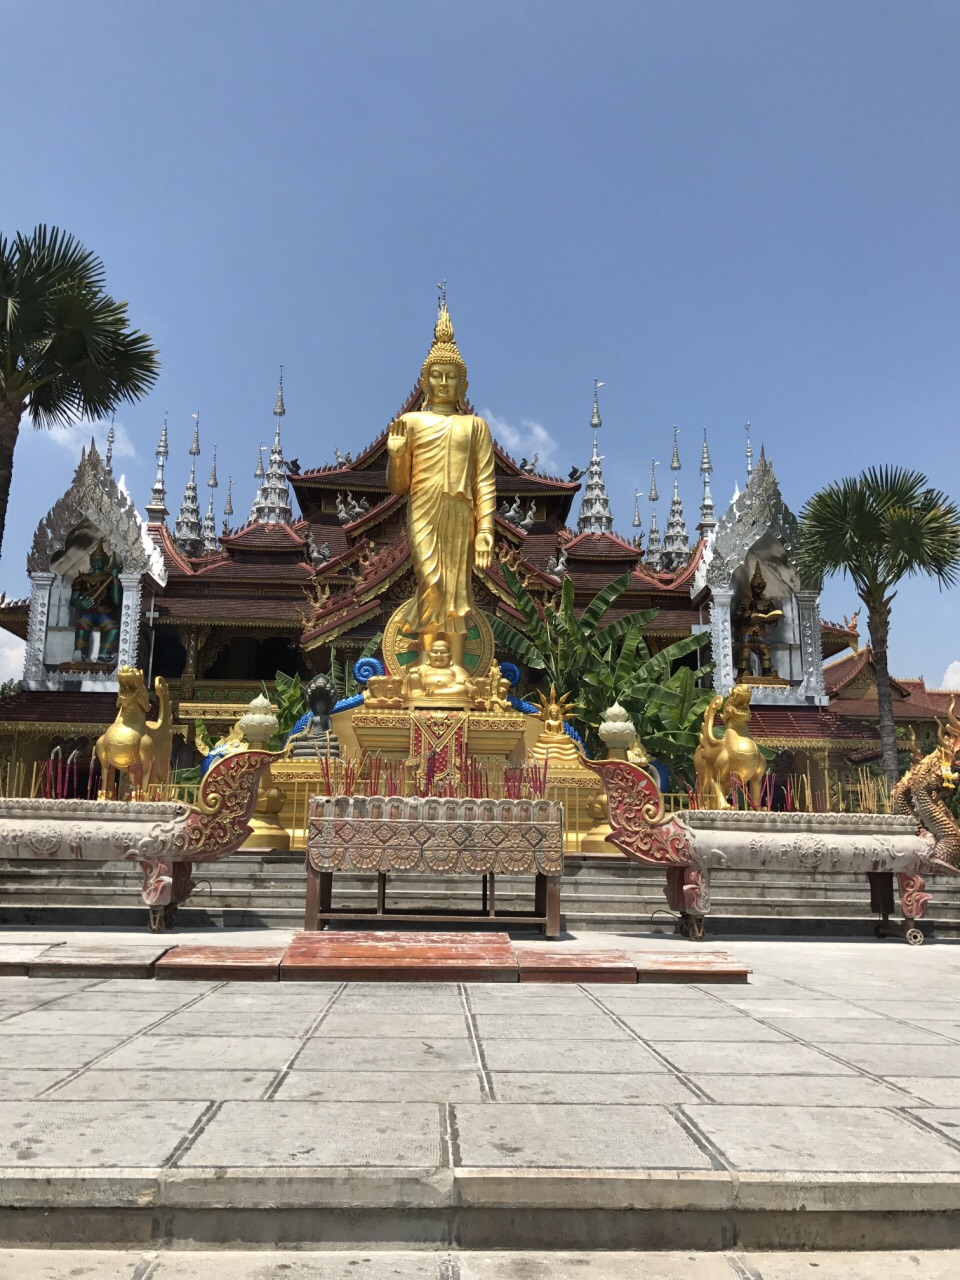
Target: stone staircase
{"x":602,"y":894}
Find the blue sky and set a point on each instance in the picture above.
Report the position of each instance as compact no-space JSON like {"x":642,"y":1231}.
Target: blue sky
{"x":724,"y":210}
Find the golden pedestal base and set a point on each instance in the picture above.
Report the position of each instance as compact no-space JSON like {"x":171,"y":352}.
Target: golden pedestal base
{"x":487,"y":736}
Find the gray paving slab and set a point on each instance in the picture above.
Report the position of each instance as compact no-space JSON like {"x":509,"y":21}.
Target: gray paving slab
{"x":933,"y":1264}
{"x":320,"y":1134}
{"x":901,"y":1059}
{"x":741,"y":1030}
{"x":800,"y":1008}
{"x":575,"y":1003}
{"x":417,"y":997}
{"x":242,"y":1022}
{"x":161,"y":997}
{"x":588,"y":1025}
{"x":68,"y":1264}
{"x":945,"y":1119}
{"x":906,"y":1010}
{"x":203,"y":1053}
{"x":587,"y":1086}
{"x":92,"y":1135}
{"x":382,"y":1086}
{"x":398,"y":1053}
{"x":291,"y":1265}
{"x":573,"y":1136}
{"x":52,"y":1051}
{"x":942,"y":1028}
{"x":76,"y":1022}
{"x":768,"y":1059}
{"x":804,"y":1091}
{"x":939,"y":1091}
{"x":644,"y":1006}
{"x":26,"y":1083}
{"x":132,"y":986}
{"x":361,"y":1026}
{"x":576,"y":1055}
{"x":825,"y":1139}
{"x":596,"y":1266}
{"x":167,"y":1086}
{"x":829,"y":1031}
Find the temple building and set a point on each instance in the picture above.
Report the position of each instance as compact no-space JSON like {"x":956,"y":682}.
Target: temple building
{"x":217,"y":614}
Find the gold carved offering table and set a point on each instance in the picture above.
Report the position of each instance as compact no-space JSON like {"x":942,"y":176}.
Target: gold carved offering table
{"x":427,"y":836}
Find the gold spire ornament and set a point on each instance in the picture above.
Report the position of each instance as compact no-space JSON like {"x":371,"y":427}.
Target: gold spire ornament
{"x":441,"y":457}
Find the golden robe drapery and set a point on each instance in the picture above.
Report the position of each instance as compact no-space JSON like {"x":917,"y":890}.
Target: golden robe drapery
{"x":447,"y":470}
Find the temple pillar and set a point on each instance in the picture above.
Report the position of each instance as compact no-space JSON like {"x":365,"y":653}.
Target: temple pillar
{"x":33,"y":669}
{"x":811,"y":651}
{"x":721,"y":641}
{"x":129,"y":645}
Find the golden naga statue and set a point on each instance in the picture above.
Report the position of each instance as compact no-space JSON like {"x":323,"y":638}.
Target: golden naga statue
{"x":923,"y":789}
{"x":554,"y":747}
{"x":719,"y":760}
{"x":442,"y":457}
{"x":134,"y":745}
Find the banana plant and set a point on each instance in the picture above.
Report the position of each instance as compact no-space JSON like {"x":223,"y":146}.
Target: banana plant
{"x":599,"y":665}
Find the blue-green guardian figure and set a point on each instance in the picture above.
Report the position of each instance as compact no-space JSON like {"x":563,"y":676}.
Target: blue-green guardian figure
{"x":97,"y":596}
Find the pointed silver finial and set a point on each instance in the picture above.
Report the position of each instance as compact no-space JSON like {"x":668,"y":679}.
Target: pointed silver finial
{"x":156,"y":508}
{"x":653,"y":496}
{"x":707,"y":520}
{"x":595,"y":420}
{"x":212,"y":482}
{"x":259,"y":473}
{"x":675,"y":460}
{"x":706,"y":466}
{"x":279,"y":409}
{"x":228,"y":508}
{"x":749,"y":451}
{"x":636,"y":508}
{"x":111,"y":437}
{"x":195,"y":445}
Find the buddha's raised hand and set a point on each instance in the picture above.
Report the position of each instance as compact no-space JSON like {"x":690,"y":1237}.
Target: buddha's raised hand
{"x":397,"y":439}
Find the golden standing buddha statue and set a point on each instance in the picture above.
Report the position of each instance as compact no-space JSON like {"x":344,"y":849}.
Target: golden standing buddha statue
{"x":442,"y":457}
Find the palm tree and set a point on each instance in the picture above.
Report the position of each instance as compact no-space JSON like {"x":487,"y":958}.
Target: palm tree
{"x":66,"y":349}
{"x":884,"y":525}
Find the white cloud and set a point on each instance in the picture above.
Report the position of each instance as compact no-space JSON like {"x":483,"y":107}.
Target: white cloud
{"x":951,"y":677}
{"x":524,"y":441}
{"x":12,"y":651}
{"x":76,"y":438}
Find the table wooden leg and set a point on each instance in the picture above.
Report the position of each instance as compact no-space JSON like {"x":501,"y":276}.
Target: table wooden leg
{"x":381,"y":892}
{"x":310,"y":917}
{"x":552,"y":927}
{"x":492,"y":896}
{"x":326,"y":895}
{"x":540,"y":895}
{"x":483,"y":896}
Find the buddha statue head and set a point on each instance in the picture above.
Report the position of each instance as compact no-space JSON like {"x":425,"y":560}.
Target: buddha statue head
{"x":439,"y":655}
{"x":443,"y":377}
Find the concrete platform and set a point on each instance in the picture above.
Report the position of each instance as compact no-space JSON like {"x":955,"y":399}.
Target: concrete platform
{"x":817,"y":1106}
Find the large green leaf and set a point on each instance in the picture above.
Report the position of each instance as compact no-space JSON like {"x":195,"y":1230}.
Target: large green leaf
{"x":516,"y":644}
{"x":602,"y":601}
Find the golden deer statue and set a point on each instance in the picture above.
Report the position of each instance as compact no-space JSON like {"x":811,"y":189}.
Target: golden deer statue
{"x":134,"y":745}
{"x":719,"y":760}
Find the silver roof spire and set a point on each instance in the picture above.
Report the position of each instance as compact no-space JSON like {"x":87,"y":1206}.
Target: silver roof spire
{"x":595,"y":513}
